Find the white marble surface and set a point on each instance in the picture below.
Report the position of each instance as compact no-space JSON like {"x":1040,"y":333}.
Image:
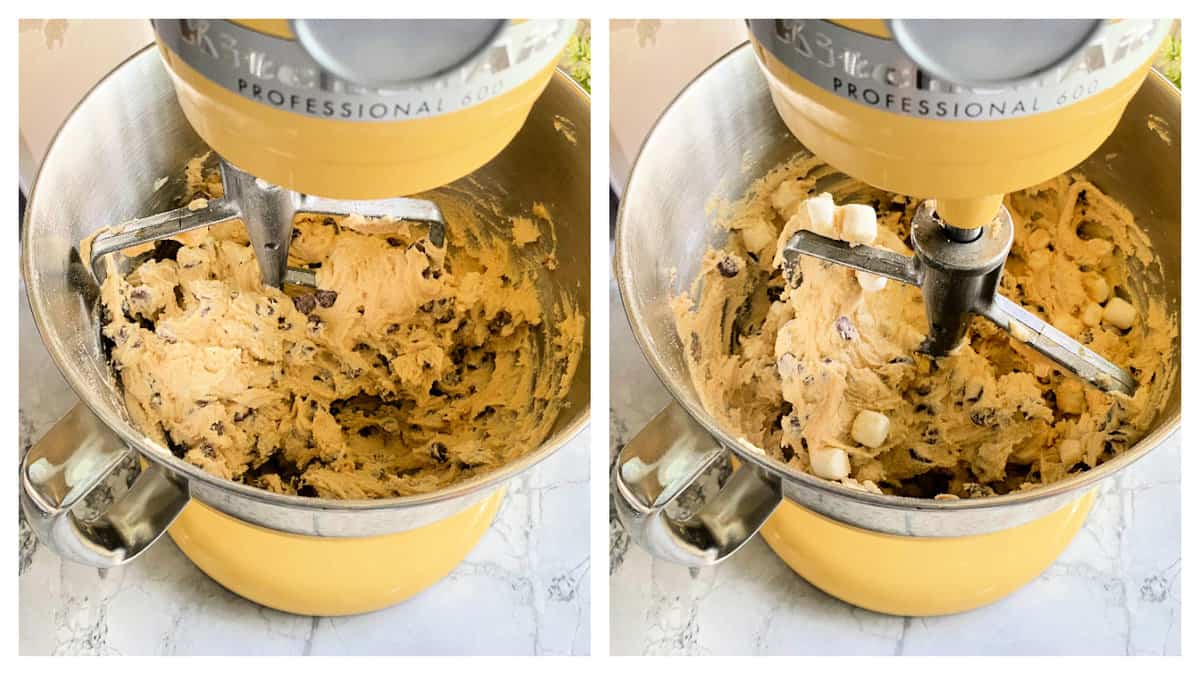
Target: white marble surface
{"x":1116,"y":589}
{"x":523,"y":590}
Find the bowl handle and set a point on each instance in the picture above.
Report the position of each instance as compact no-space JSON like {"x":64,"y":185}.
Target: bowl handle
{"x":664,"y":459}
{"x":71,"y":462}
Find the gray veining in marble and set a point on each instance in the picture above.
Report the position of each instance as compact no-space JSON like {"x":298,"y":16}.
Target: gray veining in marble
{"x":523,"y":590}
{"x":1115,"y":590}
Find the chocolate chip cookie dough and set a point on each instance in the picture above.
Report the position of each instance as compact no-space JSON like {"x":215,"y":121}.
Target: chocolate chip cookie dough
{"x":425,"y":357}
{"x":818,"y":365}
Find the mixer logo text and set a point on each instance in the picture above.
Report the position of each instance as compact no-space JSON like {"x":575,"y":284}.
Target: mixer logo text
{"x":278,"y":72}
{"x":875,"y":72}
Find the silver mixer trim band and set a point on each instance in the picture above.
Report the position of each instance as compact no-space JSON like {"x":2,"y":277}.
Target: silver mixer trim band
{"x":875,"y":72}
{"x":277,"y":72}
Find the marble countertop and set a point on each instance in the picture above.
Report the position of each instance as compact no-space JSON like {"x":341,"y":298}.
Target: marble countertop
{"x":1116,"y":589}
{"x":523,"y":590}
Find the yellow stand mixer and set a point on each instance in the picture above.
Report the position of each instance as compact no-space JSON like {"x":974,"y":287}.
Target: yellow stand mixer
{"x":957,"y":111}
{"x":305,"y":116}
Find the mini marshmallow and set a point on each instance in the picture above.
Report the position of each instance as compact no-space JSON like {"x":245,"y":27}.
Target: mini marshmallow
{"x":822,"y":215}
{"x":870,"y":283}
{"x":858,"y":223}
{"x":1120,"y":313}
{"x":758,"y":236}
{"x":1039,"y":238}
{"x":1096,"y":287}
{"x":829,"y":463}
{"x":870,"y":428}
{"x":1091,"y":314}
{"x":1070,"y":451}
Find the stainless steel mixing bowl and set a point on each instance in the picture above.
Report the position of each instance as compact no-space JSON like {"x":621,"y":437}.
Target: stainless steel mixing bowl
{"x":715,"y":139}
{"x":101,"y":169}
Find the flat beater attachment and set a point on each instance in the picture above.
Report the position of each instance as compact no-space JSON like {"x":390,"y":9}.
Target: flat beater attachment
{"x":267,"y":211}
{"x":958,"y":272}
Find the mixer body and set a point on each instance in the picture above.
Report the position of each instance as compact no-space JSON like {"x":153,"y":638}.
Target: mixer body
{"x":260,"y":101}
{"x":853,"y":97}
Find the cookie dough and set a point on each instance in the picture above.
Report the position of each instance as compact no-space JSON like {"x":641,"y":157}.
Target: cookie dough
{"x":419,"y":362}
{"x":790,"y":358}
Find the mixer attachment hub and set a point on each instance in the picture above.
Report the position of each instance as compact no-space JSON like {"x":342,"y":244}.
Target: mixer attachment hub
{"x":958,"y":272}
{"x":268,"y":212}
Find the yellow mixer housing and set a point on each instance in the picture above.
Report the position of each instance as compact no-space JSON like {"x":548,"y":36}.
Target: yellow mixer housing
{"x":252,"y":94}
{"x":870,"y":124}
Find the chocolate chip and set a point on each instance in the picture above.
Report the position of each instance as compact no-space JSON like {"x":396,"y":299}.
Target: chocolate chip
{"x":487,"y":411}
{"x":368,"y":431}
{"x":140,"y":294}
{"x":728,"y":267}
{"x":437,"y":234}
{"x":774,"y":293}
{"x":305,"y":303}
{"x":208,"y":451}
{"x":218,"y":428}
{"x":845,"y":329}
{"x":314,"y":265}
{"x":436,"y":390}
{"x":439,"y":453}
{"x":166,"y":249}
{"x":179,"y":296}
{"x":314,"y":321}
{"x":912,"y":453}
{"x":788,"y":453}
{"x":427,"y":307}
{"x":502,"y":319}
{"x":329,"y":222}
{"x":394,"y":242}
{"x":392,"y":328}
{"x":983,"y":417}
{"x":695,"y":346}
{"x":238,"y":417}
{"x":326,"y":298}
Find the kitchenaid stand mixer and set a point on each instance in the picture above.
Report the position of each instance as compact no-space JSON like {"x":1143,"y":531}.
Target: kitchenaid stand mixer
{"x":274,"y":162}
{"x":856,"y":99}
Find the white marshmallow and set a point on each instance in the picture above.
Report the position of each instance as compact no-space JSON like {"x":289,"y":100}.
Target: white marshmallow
{"x":870,"y":282}
{"x":870,"y":428}
{"x":1120,"y":313}
{"x":822,"y":215}
{"x":829,"y":463}
{"x":1091,"y":314}
{"x":858,"y":225}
